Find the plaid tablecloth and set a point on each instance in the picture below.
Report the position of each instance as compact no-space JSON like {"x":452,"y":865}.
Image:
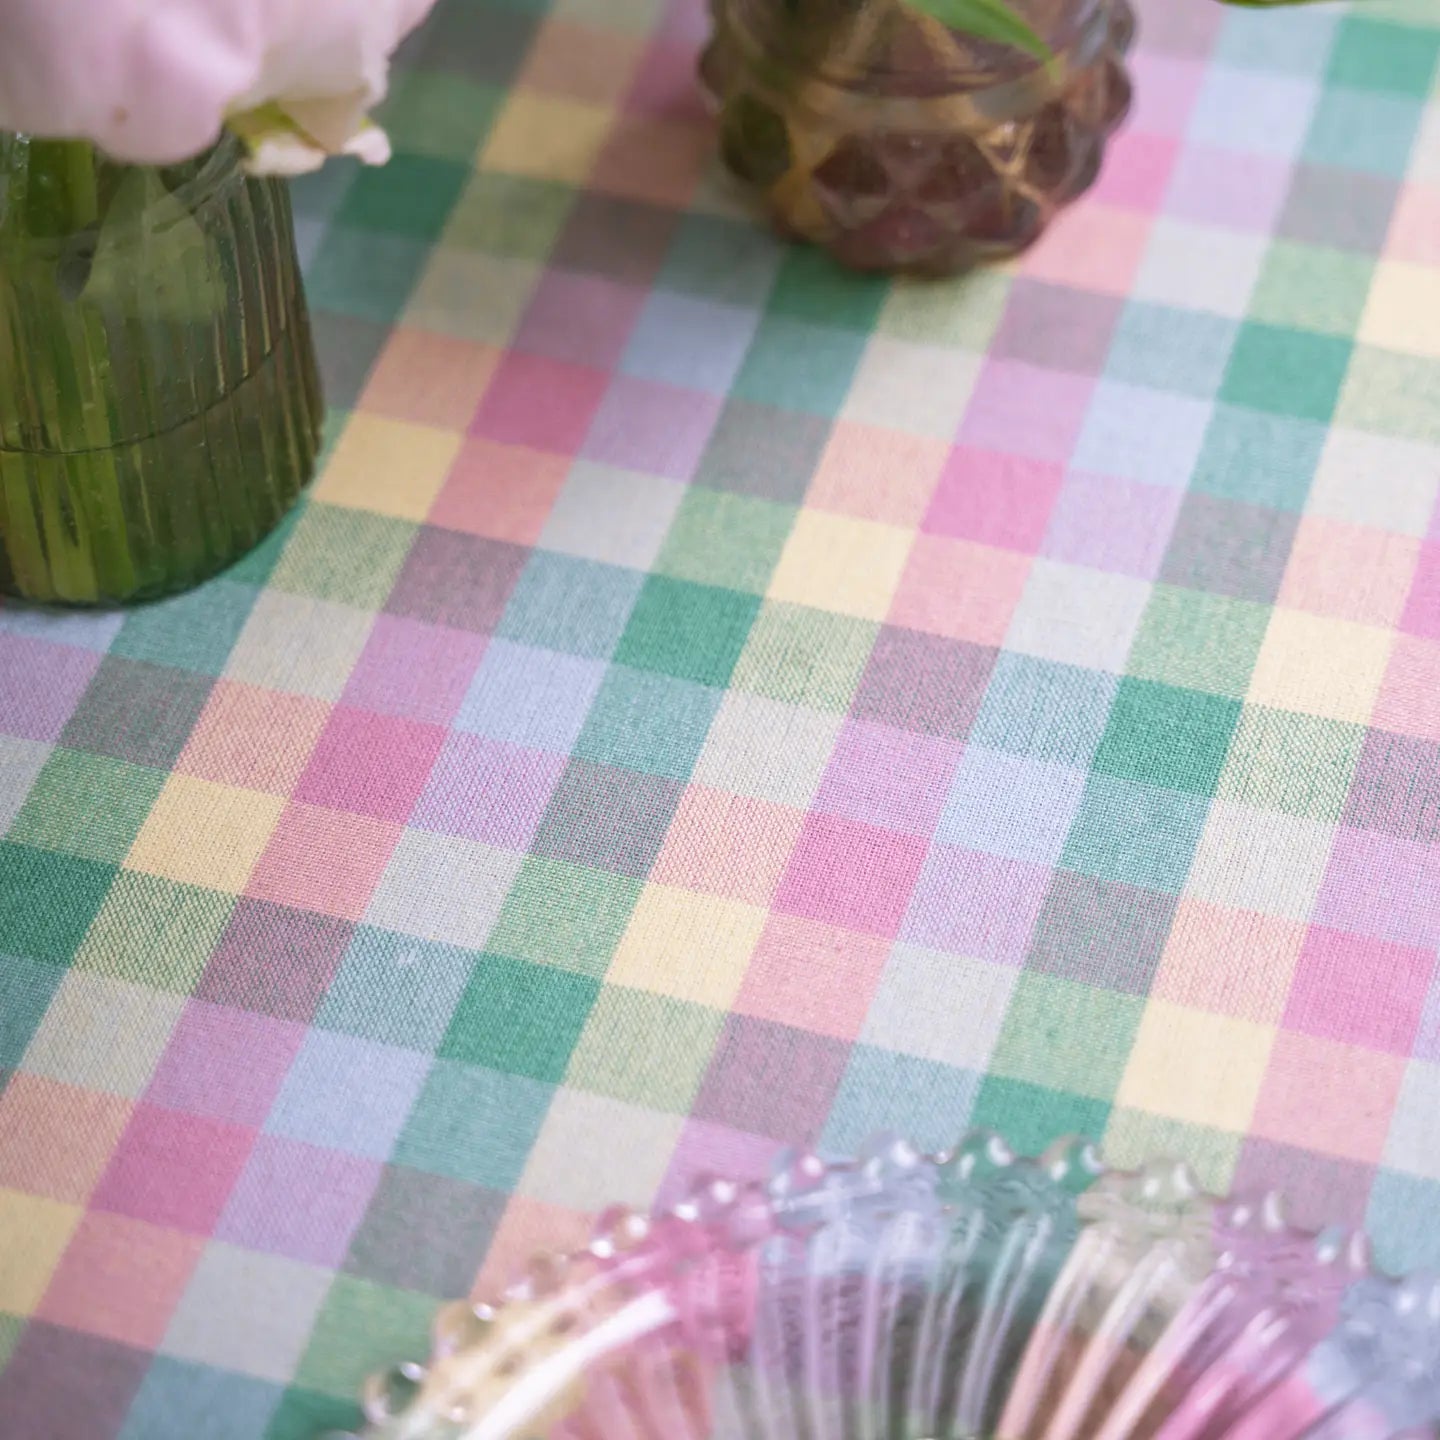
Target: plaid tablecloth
{"x":710,"y":701}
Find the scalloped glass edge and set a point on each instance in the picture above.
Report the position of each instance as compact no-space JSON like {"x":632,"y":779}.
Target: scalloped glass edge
{"x":970,"y":1294}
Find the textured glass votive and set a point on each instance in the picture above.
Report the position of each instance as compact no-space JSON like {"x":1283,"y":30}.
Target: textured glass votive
{"x":159,"y":399}
{"x":900,"y":144}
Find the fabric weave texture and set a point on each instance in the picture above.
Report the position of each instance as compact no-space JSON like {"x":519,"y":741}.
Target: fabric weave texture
{"x":711,"y":701}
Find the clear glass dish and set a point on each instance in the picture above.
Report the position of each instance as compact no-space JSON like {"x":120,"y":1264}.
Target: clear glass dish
{"x":971,"y":1295}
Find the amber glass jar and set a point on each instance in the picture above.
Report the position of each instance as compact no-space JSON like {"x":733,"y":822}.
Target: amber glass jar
{"x":900,"y":144}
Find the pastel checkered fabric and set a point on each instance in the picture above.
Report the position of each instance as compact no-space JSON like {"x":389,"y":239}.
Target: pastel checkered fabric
{"x":709,"y":700}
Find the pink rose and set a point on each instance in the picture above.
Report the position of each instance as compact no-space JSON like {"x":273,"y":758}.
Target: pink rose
{"x":153,"y":81}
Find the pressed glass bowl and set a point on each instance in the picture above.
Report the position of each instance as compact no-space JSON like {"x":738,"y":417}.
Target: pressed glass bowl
{"x":970,"y":1295}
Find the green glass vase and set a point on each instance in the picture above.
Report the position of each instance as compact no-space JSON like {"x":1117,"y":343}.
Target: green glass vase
{"x":159,"y":400}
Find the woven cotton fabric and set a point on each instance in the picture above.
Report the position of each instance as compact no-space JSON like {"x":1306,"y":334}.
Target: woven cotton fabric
{"x":709,"y":701}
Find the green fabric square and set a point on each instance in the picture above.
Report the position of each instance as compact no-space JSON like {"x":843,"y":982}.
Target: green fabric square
{"x":798,"y":365}
{"x":1286,"y":372}
{"x":396,"y":989}
{"x":1198,"y":640}
{"x":562,"y":914}
{"x":350,"y":557}
{"x":1392,"y":395}
{"x":812,"y":286}
{"x":432,"y":113}
{"x":511,"y":215}
{"x":647,"y":722}
{"x":804,"y":656}
{"x":521,"y":1018}
{"x":1355,"y":129}
{"x":563,"y":603}
{"x":1312,"y":287}
{"x":363,"y":1327}
{"x":1163,"y":735}
{"x":47,"y":901}
{"x":410,"y":195}
{"x":1066,"y":1036}
{"x":254,"y":568}
{"x":1169,"y":348}
{"x":364,"y":272}
{"x":1381,"y":55}
{"x":195,"y":631}
{"x":11,"y":1327}
{"x":87,"y":805}
{"x":718,"y":538}
{"x":25,"y":990}
{"x":1042,"y":708}
{"x":154,"y":932}
{"x":472,"y":1123}
{"x":1142,"y":835}
{"x":731,"y":260}
{"x":619,"y":1053}
{"x":1135,"y":1136}
{"x":1259,"y":459}
{"x":1300,"y":764}
{"x":303,"y":1414}
{"x":694,"y":632}
{"x":1032,"y":1117}
{"x":963,"y":312}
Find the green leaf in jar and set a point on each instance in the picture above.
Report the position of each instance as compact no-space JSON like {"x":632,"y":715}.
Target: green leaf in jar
{"x":986,"y":20}
{"x":152,"y":256}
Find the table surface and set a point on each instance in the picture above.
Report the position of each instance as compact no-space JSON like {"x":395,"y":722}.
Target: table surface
{"x":710,"y":701}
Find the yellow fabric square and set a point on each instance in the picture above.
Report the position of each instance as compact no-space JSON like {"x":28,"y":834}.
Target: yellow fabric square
{"x":200,"y":833}
{"x":694,"y":947}
{"x":546,"y":137}
{"x":840,"y":564}
{"x":1403,"y":310}
{"x":389,"y":467}
{"x":1202,"y":1068}
{"x":33,"y":1235}
{"x":1320,"y":666}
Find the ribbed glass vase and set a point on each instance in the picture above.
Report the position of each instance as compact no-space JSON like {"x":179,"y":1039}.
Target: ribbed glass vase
{"x":159,"y":399}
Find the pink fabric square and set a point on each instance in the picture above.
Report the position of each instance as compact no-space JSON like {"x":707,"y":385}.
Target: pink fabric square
{"x":644,"y":425}
{"x":1137,"y":170}
{"x":1123,"y":526}
{"x":852,"y":875}
{"x":731,"y":845}
{"x":299,"y":1200}
{"x":1166,"y":89}
{"x":225,"y":1063}
{"x":959,"y":589}
{"x":979,"y":905}
{"x":664,"y":83}
{"x":540,"y":402}
{"x":897,"y":779}
{"x":1409,"y":700}
{"x":488,"y":790}
{"x":707,"y":1149}
{"x":1415,"y":227}
{"x":582,"y":319}
{"x":812,"y":975}
{"x":1380,"y":886}
{"x":370,"y":764}
{"x":1224,"y":187}
{"x":995,"y":497}
{"x":35,"y":711}
{"x":1325,"y":1096}
{"x":503,"y":492}
{"x":1022,"y":410}
{"x":1093,"y":247}
{"x":413,"y":670}
{"x":1422,"y":606}
{"x":325,"y":860}
{"x":173,"y":1170}
{"x":1359,"y":990}
{"x":121,"y":1278}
